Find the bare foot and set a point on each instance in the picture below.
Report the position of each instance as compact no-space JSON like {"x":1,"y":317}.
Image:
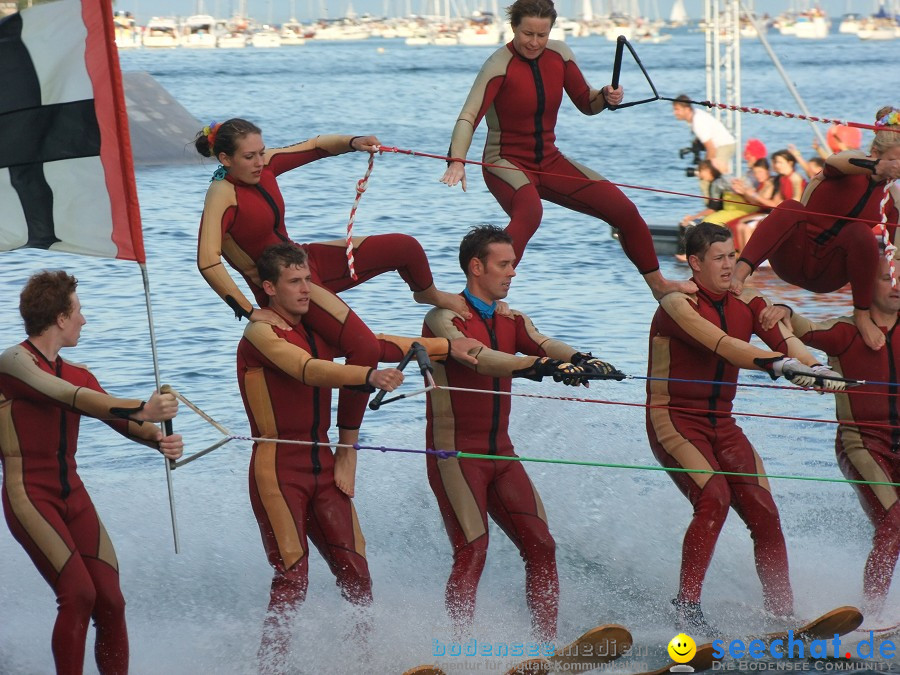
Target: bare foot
{"x":452,"y":301}
{"x":345,"y":461}
{"x":772,"y":315}
{"x":345,"y":470}
{"x":871,"y":334}
{"x":661,"y":286}
{"x":741,"y":272}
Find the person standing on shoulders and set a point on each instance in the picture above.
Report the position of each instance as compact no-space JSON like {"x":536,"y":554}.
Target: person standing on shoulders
{"x":47,"y":508}
{"x":519,"y":91}
{"x":244,"y":212}
{"x":826,"y":239}
{"x":470,"y":490}
{"x":704,"y":338}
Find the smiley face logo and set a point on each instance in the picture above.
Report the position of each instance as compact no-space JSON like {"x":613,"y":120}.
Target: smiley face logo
{"x":682,"y":648}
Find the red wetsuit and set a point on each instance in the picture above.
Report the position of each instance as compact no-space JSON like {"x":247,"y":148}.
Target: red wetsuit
{"x":285,"y":377}
{"x":468,"y":491}
{"x":520,"y":99}
{"x":240,"y":221}
{"x":47,"y":507}
{"x":864,"y":452}
{"x":821,"y":253}
{"x":704,"y":337}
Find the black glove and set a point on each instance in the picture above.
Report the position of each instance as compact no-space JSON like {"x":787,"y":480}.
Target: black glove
{"x":560,"y":371}
{"x":595,"y":368}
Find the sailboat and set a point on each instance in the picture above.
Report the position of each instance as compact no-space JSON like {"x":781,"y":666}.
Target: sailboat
{"x":678,"y":16}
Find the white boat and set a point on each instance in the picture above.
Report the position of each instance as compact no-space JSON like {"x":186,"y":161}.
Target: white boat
{"x":879,"y":29}
{"x":619,"y":24}
{"x":231,"y":40}
{"x":481,"y":29}
{"x":292,"y":33}
{"x":265,"y":38}
{"x":127,"y":34}
{"x":342,"y":29}
{"x":812,"y":25}
{"x":652,"y":37}
{"x":445,"y":38}
{"x":161,"y":33}
{"x":850,"y":23}
{"x":199,"y":32}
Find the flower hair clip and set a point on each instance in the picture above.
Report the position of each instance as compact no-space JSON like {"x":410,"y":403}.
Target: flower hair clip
{"x":891,"y":119}
{"x":210,"y":131}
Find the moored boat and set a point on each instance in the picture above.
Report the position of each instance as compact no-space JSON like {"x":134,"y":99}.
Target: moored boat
{"x":161,"y":33}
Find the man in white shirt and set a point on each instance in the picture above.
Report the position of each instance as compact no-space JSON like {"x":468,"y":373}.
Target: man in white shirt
{"x":716,"y":139}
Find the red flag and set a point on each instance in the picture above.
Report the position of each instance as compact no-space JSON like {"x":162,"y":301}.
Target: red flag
{"x":66,"y":170}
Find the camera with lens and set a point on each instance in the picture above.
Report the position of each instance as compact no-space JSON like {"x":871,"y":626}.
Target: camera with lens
{"x":695,"y":148}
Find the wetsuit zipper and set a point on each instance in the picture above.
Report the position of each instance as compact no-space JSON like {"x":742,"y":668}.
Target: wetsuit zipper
{"x":314,"y":432}
{"x":720,"y":366}
{"x":495,"y":414}
{"x":275,"y":210}
{"x":61,"y":451}
{"x":65,"y":488}
{"x":892,"y":399}
{"x":539,"y":113}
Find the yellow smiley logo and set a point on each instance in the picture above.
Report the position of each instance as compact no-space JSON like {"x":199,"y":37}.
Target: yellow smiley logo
{"x":682,"y":648}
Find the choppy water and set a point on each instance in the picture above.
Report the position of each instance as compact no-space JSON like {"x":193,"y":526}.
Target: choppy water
{"x":618,"y":531}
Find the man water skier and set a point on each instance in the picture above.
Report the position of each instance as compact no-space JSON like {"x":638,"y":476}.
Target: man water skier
{"x":471,"y":489}
{"x":868,"y":452}
{"x":47,"y":508}
{"x":286,"y":377}
{"x":705,"y":337}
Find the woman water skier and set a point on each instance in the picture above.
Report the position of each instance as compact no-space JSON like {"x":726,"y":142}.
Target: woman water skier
{"x":519,"y":91}
{"x":244,"y":213}
{"x":821,"y":253}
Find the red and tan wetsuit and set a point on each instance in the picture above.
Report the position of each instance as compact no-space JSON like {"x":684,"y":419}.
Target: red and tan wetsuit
{"x":47,"y":507}
{"x":704,"y":337}
{"x":286,"y":377}
{"x":520,"y":99}
{"x":240,"y":221}
{"x":867,"y":452}
{"x":468,"y":491}
{"x":821,"y":253}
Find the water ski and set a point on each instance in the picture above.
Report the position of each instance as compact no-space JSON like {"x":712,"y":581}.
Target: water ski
{"x":838,"y":621}
{"x":424,"y":670}
{"x":598,"y":646}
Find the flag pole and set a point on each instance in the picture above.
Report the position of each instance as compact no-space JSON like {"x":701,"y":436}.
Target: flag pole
{"x":169,"y":463}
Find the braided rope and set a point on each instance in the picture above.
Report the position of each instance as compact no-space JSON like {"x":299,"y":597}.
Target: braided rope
{"x":889,"y":248}
{"x":787,"y":115}
{"x":361,"y":186}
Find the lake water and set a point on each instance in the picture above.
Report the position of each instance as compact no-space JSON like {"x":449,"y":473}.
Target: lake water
{"x":618,"y":531}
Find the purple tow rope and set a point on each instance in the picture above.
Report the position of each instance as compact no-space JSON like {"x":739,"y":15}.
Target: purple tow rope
{"x":442,"y":454}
